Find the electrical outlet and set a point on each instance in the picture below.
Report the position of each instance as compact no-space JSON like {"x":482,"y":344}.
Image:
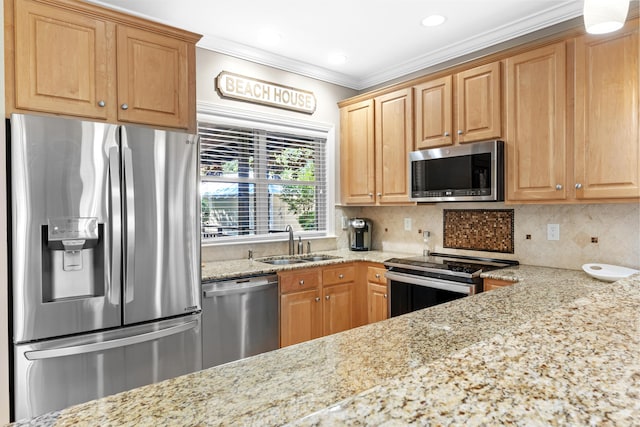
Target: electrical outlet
{"x":553,"y":231}
{"x":407,"y":224}
{"x":345,"y":222}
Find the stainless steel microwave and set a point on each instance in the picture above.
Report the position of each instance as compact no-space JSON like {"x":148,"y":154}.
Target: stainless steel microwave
{"x":470,"y":172}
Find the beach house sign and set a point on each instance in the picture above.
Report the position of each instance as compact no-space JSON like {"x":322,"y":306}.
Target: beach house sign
{"x":231,"y":85}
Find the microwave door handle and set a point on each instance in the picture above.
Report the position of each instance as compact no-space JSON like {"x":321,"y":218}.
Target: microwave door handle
{"x":130,"y":224}
{"x":115,"y":226}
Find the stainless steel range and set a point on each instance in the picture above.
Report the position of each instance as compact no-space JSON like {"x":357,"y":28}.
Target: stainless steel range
{"x":425,"y":281}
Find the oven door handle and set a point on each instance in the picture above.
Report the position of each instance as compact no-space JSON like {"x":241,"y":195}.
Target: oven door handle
{"x":428,"y":282}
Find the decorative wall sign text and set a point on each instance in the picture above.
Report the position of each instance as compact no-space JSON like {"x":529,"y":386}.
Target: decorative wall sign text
{"x":231,"y":85}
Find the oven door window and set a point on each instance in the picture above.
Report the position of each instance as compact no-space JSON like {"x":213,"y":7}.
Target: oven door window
{"x":406,"y":297}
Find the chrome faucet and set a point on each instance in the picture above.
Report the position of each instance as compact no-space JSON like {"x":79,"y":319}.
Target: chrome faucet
{"x":291,"y":245}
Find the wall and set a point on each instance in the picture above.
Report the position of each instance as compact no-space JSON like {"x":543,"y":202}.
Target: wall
{"x":208,"y":65}
{"x":4,"y":280}
{"x":617,"y":227}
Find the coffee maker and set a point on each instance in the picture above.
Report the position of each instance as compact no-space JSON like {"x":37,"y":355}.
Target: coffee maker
{"x":360,"y":234}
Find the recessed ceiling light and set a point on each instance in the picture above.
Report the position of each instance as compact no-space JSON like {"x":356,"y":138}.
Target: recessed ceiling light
{"x":269,"y":37}
{"x":433,"y":20}
{"x":337,"y":58}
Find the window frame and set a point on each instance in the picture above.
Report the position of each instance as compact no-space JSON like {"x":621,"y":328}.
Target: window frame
{"x":229,"y":116}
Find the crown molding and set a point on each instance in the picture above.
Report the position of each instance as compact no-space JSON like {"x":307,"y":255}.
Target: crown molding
{"x":547,"y":18}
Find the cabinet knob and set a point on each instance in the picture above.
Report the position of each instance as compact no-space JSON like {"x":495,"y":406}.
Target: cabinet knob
{"x":446,"y":134}
{"x":301,"y":282}
{"x":340,"y":276}
{"x":460,"y":132}
{"x":124,"y":106}
{"x":327,"y":297}
{"x":317,"y":299}
{"x":578,"y":186}
{"x":385,"y":295}
{"x":370,"y":194}
{"x":377,"y":275}
{"x":379,"y":194}
{"x":558,"y":187}
{"x":101,"y":103}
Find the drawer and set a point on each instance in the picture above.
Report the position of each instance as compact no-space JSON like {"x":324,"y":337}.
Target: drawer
{"x":376,"y":275}
{"x":297,"y":280}
{"x":335,"y":275}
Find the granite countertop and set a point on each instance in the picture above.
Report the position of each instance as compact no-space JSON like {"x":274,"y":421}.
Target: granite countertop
{"x":556,"y":348}
{"x":220,"y":270}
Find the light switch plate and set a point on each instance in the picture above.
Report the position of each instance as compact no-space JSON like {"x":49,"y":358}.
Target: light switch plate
{"x":407,"y":224}
{"x":553,"y":231}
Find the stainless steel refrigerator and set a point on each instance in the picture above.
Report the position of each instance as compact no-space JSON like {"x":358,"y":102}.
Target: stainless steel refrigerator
{"x":105,"y":253}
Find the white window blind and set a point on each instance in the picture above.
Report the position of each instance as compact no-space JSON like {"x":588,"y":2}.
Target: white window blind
{"x":255,"y":182}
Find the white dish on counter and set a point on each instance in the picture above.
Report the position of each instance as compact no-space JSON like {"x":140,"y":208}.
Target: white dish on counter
{"x":607,"y":272}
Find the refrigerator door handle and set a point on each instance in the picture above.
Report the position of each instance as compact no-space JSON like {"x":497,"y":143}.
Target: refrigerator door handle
{"x":115,"y":225}
{"x":107,"y":345}
{"x":130,"y":224}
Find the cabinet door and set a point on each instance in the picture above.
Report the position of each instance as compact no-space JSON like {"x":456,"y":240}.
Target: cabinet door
{"x":62,"y":61}
{"x":434,"y":113}
{"x":300,"y":317}
{"x":338,"y":308}
{"x":491,"y":284}
{"x":153,"y":78}
{"x":377,"y":302}
{"x":357,"y":153}
{"x":393,"y":142}
{"x":536,"y":146}
{"x":607,"y":151}
{"x":478,"y":111}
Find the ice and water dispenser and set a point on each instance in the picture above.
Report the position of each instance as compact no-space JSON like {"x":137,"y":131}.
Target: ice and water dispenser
{"x":72,"y":258}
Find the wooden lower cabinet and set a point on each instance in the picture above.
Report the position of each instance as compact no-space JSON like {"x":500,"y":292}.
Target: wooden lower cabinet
{"x":318,"y":301}
{"x":377,"y":302}
{"x":491,"y":284}
{"x":338,"y":308}
{"x":300,"y":317}
{"x":377,"y":294}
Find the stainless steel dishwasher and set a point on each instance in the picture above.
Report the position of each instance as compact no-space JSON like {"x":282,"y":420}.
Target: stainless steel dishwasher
{"x":239,"y":318}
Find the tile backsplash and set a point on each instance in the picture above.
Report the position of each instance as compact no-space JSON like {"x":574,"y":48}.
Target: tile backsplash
{"x":588,"y":233}
{"x":478,"y":229}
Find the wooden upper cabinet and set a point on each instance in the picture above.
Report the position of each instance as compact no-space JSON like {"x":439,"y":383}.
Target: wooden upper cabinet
{"x":393,"y":142}
{"x":535,"y":124}
{"x":357,"y":153}
{"x":377,"y":136}
{"x":434,"y":113}
{"x":607,"y":110}
{"x":153,"y":78}
{"x":479,"y":105}
{"x":74,"y":58}
{"x":62,"y":62}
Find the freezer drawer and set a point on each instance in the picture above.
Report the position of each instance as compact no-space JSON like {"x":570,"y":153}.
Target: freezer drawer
{"x":54,"y":374}
{"x":239,"y":319}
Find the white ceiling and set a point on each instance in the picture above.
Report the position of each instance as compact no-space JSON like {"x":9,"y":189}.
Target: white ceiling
{"x":382,"y":39}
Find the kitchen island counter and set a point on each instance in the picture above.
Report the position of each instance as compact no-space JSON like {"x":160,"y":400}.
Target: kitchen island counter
{"x":556,"y":348}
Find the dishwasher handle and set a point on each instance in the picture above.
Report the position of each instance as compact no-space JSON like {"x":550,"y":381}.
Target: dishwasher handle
{"x":239,"y":287}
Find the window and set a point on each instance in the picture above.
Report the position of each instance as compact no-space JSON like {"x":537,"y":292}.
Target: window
{"x":255,"y":182}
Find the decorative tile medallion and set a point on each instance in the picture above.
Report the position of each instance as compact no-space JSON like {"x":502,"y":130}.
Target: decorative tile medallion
{"x":479,"y":229}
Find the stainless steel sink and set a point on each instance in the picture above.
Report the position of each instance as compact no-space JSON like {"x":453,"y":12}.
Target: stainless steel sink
{"x":312,"y":258}
{"x":297,"y":259}
{"x":283,"y":261}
